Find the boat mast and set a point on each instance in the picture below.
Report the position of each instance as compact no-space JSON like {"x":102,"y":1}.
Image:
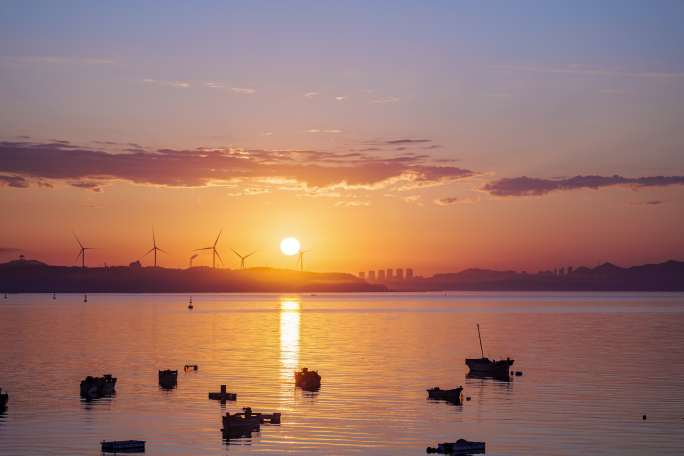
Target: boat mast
{"x":480,"y":337}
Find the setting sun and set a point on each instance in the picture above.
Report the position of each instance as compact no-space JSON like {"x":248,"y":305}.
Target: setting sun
{"x":289,"y":246}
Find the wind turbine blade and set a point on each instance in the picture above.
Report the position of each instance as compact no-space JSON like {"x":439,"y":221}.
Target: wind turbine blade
{"x":203,"y":248}
{"x":162,"y":251}
{"x":217,"y":237}
{"x":235,"y":252}
{"x":219,"y":256}
{"x":247,"y":256}
{"x":79,"y":255}
{"x":79,"y":242}
{"x":148,"y":252}
{"x":154,"y":240}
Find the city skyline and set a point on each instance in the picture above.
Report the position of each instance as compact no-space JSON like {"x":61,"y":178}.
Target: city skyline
{"x":444,"y":136}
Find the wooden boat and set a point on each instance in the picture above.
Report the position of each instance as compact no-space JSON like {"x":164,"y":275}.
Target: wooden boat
{"x":123,"y":446}
{"x":485,"y":367}
{"x":223,"y":395}
{"x":95,"y":387}
{"x":241,"y":423}
{"x":308,"y":380}
{"x":449,"y":395}
{"x":168,"y":378}
{"x":4,"y":398}
{"x":459,"y":447}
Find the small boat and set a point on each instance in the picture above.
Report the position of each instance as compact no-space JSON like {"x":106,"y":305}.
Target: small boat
{"x":95,"y":387}
{"x":189,"y":367}
{"x":450,"y":395}
{"x":168,"y":378}
{"x":459,"y":447}
{"x":308,"y":380}
{"x":223,"y":395}
{"x":485,"y":367}
{"x":241,"y":423}
{"x":123,"y":446}
{"x":4,"y":398}
{"x":270,"y":418}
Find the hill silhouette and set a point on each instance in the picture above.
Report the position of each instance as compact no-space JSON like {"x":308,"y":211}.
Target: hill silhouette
{"x":29,"y":276}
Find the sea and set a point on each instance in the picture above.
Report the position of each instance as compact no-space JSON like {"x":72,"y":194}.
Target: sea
{"x":601,"y":373}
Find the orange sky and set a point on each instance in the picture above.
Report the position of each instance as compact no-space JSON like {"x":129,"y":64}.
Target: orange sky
{"x":440,"y":137}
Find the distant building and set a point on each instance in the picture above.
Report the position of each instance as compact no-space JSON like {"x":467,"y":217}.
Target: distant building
{"x":569,"y":269}
{"x":409,"y":273}
{"x":135,"y":265}
{"x":371,"y":275}
{"x":362,"y":275}
{"x":390,"y":274}
{"x":381,"y":274}
{"x":399,"y":274}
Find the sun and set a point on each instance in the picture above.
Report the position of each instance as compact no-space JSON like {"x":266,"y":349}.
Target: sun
{"x":289,"y":246}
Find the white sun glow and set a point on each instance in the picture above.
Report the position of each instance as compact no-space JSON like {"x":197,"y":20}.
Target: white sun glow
{"x":290,"y":246}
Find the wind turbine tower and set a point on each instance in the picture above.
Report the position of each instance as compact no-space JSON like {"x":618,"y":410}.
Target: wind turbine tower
{"x":154,"y":249}
{"x":300,"y":259}
{"x":214,"y":252}
{"x":81,"y":252}
{"x":242,"y":257}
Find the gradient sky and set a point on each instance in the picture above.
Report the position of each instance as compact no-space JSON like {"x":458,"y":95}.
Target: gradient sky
{"x":432,"y":135}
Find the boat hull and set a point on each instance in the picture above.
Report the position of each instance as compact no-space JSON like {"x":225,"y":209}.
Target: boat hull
{"x":487,"y":367}
{"x":124,"y":446}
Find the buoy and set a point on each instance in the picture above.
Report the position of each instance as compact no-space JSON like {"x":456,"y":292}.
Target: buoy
{"x":643,"y":417}
{"x":54,"y":296}
{"x":467,"y":398}
{"x":190,"y":306}
{"x":5,"y":295}
{"x":518,"y":373}
{"x":85,"y":298}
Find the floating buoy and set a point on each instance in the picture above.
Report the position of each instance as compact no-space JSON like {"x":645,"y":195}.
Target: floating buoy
{"x":643,"y":417}
{"x":518,"y":373}
{"x":54,"y":296}
{"x":85,"y":298}
{"x":190,"y":306}
{"x":467,"y":398}
{"x":5,"y":295}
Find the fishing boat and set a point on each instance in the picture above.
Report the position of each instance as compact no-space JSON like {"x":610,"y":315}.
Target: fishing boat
{"x":223,"y":395}
{"x":241,"y":423}
{"x":308,"y":379}
{"x":95,"y":387}
{"x":168,"y":378}
{"x":449,"y":395}
{"x":459,"y":447}
{"x":4,"y":398}
{"x":123,"y":446}
{"x":485,"y":367}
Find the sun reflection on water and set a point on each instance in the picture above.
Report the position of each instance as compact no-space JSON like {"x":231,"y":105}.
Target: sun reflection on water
{"x":289,"y":337}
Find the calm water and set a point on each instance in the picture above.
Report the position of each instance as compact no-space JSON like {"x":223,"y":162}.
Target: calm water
{"x":593,"y":365}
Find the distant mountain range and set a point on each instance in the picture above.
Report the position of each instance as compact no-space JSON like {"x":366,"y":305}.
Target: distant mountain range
{"x":27,"y":276}
{"x":668,"y":276}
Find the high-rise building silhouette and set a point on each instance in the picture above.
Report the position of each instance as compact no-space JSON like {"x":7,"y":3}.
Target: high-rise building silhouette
{"x":409,"y":273}
{"x":371,"y":275}
{"x":399,"y":274}
{"x":381,"y":274}
{"x":390,"y":274}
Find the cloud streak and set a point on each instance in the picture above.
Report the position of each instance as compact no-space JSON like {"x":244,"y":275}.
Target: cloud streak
{"x":530,"y":186}
{"x":25,"y":163}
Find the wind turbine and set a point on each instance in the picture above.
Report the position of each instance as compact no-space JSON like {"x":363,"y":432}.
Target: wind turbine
{"x":154,"y":249}
{"x":82,"y":252}
{"x":194,"y":255}
{"x":300,"y":259}
{"x":242,"y":258}
{"x":214,"y":252}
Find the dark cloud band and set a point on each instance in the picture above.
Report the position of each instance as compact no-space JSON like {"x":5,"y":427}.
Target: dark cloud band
{"x":529,"y":186}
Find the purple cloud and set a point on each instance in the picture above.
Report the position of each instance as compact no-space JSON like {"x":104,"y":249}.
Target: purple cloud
{"x":529,"y":186}
{"x":90,"y":168}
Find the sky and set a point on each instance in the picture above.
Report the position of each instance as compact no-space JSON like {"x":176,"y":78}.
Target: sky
{"x":435,"y":135}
